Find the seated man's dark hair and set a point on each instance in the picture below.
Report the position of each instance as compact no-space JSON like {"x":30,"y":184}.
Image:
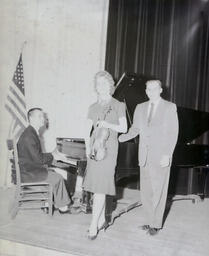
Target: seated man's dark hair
{"x":30,"y":112}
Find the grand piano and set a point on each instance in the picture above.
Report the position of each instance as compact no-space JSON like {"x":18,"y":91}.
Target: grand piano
{"x":190,"y":160}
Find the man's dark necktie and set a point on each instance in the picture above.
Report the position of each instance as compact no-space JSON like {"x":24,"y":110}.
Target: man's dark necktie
{"x":150,"y":113}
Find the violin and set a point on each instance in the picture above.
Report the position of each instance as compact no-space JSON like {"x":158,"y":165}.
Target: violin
{"x":100,"y":136}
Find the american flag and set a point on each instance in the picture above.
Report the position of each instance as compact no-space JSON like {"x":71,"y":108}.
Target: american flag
{"x":15,"y":102}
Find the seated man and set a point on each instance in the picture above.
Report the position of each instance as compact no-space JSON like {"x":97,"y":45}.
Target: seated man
{"x":34,"y":163}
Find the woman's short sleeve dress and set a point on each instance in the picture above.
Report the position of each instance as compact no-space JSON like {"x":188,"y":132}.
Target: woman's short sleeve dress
{"x":99,"y":176}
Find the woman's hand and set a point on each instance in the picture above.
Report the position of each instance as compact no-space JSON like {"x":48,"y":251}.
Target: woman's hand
{"x":88,"y":125}
{"x":88,"y":151}
{"x":103,"y":124}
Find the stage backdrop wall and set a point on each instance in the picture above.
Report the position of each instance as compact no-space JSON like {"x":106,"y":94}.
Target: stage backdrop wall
{"x":65,"y":47}
{"x":166,"y":39}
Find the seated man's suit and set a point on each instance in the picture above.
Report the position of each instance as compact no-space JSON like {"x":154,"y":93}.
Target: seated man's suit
{"x":34,"y":166}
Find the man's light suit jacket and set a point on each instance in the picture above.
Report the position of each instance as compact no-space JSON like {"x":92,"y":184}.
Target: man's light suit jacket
{"x":160,"y":136}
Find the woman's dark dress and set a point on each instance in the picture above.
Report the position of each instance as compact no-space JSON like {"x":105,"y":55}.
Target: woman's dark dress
{"x":100,"y":174}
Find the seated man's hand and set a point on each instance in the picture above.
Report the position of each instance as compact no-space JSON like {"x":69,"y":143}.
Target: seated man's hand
{"x":63,"y":158}
{"x":165,"y":161}
{"x":55,"y":154}
{"x":58,"y":156}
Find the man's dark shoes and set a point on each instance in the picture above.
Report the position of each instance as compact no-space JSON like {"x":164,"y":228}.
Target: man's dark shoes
{"x":153,"y":231}
{"x":65,"y":212}
{"x":75,"y":210}
{"x":45,"y":210}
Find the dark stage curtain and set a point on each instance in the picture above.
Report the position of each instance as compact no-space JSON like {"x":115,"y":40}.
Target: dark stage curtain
{"x":166,"y":39}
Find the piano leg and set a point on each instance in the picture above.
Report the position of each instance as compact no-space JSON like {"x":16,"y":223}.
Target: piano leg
{"x":203,"y":178}
{"x":194,"y":197}
{"x":86,"y":204}
{"x":206,"y":181}
{"x":82,"y":199}
{"x":191,"y":194}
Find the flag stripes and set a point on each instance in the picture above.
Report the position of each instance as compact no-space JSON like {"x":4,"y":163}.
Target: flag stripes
{"x":15,"y":93}
{"x":15,"y":105}
{"x":15,"y":101}
{"x":20,"y":122}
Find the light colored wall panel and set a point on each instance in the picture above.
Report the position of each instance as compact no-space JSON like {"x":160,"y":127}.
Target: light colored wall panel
{"x":66,"y":42}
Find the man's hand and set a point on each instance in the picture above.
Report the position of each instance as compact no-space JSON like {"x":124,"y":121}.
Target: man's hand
{"x":122,"y":138}
{"x":59,"y":156}
{"x":55,"y":154}
{"x":165,"y":161}
{"x":63,"y":158}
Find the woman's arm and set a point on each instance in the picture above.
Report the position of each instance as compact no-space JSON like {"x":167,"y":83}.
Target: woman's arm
{"x":88,"y":126}
{"x":121,"y":127}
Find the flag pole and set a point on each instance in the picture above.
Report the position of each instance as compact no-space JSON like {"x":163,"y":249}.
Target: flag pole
{"x":8,"y":159}
{"x":23,"y":46}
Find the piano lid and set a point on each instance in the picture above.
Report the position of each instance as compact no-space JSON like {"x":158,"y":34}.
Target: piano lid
{"x":192,"y":124}
{"x":131,"y":90}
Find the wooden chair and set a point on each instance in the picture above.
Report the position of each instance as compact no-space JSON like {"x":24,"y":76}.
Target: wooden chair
{"x":37,"y":195}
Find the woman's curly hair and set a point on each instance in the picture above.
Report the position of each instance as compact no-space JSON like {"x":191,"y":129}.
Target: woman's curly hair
{"x":107,"y":76}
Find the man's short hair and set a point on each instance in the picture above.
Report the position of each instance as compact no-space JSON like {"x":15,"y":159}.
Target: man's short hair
{"x":155,"y":80}
{"x":31,"y":111}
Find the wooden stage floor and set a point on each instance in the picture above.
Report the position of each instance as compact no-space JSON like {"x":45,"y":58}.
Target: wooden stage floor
{"x":185,"y":233}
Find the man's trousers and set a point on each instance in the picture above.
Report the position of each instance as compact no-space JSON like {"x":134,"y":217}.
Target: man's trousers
{"x":60,"y":193}
{"x":154,"y":187}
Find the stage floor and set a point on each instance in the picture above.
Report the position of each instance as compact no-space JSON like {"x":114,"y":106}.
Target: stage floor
{"x":185,"y":232}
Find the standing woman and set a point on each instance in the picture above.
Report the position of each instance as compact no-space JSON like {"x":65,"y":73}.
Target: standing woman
{"x":110,"y":114}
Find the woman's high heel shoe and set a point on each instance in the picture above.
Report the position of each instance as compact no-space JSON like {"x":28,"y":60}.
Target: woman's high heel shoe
{"x":103,"y":227}
{"x":92,"y":237}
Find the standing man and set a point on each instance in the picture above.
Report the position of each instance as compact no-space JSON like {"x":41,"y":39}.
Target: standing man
{"x":34,"y":163}
{"x":156,"y":122}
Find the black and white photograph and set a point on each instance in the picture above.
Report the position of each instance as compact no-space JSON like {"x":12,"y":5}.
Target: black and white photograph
{"x":104,"y":127}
